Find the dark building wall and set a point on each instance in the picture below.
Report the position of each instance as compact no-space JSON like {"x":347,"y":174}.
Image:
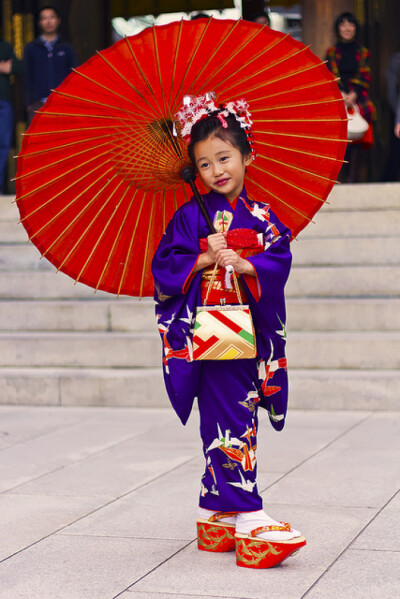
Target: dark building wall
{"x":89,"y":25}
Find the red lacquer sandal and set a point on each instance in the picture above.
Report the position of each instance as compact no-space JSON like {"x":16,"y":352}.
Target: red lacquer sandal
{"x":213,"y":535}
{"x":252,"y":552}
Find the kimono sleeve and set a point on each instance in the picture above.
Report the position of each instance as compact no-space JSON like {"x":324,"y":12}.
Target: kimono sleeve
{"x":177,"y":254}
{"x":177,"y":293}
{"x":272,"y":269}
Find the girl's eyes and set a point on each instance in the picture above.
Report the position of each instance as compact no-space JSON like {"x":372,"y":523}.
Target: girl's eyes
{"x":204,"y":165}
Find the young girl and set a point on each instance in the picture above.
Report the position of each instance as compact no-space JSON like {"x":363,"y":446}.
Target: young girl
{"x":251,"y":239}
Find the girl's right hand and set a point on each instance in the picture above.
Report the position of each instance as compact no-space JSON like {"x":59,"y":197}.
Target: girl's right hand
{"x":216,"y":242}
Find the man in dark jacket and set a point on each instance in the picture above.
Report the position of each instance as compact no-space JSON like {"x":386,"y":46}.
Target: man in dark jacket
{"x":9,"y":65}
{"x":47,"y":61}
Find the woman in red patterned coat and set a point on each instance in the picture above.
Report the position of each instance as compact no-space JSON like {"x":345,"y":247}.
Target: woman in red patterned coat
{"x":349,"y":61}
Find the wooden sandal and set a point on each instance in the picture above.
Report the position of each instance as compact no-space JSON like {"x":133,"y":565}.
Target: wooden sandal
{"x":213,"y":535}
{"x":252,"y":552}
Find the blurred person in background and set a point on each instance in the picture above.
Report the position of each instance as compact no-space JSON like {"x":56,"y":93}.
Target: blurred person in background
{"x":200,"y":15}
{"x":350,"y":61}
{"x":261,"y":17}
{"x":9,"y":65}
{"x":47,"y":61}
{"x":392,"y":169}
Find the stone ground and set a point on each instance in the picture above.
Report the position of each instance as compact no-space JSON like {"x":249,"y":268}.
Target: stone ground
{"x":100,"y":503}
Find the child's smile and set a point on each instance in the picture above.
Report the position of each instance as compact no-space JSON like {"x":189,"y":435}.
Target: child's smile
{"x":221,"y":166}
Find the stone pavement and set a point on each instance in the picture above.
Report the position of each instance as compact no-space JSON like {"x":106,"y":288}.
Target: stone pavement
{"x":99,"y":503}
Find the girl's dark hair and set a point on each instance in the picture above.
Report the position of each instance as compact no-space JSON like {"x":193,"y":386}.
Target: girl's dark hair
{"x":346,"y":16}
{"x":211,"y":125}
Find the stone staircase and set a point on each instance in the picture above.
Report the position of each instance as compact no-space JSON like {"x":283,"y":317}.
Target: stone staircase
{"x":61,"y":344}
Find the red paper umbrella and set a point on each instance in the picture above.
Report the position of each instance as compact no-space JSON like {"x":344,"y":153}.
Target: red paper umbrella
{"x":98,"y":174}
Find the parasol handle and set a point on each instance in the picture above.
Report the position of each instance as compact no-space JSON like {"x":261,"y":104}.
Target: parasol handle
{"x":189,"y":176}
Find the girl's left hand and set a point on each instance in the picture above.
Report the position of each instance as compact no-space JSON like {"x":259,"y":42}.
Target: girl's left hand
{"x":350,"y":99}
{"x":225,"y":257}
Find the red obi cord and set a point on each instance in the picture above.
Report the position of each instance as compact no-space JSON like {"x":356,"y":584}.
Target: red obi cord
{"x":247,"y":243}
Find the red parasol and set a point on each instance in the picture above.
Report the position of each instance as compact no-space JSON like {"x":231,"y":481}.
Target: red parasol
{"x":98,"y":174}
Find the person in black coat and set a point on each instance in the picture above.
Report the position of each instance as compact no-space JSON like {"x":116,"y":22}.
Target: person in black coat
{"x":47,"y":61}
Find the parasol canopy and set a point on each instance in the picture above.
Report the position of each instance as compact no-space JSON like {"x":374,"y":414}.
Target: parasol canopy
{"x":98,"y":176}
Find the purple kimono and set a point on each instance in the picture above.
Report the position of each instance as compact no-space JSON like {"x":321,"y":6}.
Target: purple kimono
{"x":228,"y":392}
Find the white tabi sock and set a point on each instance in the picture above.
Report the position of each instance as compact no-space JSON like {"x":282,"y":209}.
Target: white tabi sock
{"x":206,"y":514}
{"x":248,"y":521}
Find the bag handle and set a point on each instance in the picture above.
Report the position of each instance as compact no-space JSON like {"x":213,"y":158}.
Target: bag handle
{"x":211,"y":282}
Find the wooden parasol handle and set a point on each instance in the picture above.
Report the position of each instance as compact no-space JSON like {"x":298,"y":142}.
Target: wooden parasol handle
{"x":189,"y":176}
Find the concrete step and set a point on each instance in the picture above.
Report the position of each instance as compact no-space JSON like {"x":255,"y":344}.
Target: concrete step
{"x":327,"y":223}
{"x":16,"y":256}
{"x":376,"y":350}
{"x":345,"y":251}
{"x":12,"y":232}
{"x":355,"y":210}
{"x":365,"y":223}
{"x":127,"y":315}
{"x":44,"y":285}
{"x":304,"y":281}
{"x":70,"y":386}
{"x":309,"y":389}
{"x":92,"y":349}
{"x":344,"y":281}
{"x":132,"y":315}
{"x":8,"y":208}
{"x":331,"y":251}
{"x":344,"y":314}
{"x":364,"y":196}
{"x":357,"y":196}
{"x":347,"y":350}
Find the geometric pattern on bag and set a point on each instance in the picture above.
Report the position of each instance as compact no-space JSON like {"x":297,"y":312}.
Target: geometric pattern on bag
{"x":224,"y":333}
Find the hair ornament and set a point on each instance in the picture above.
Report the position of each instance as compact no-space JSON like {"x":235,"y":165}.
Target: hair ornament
{"x":220,"y":117}
{"x":196,"y":108}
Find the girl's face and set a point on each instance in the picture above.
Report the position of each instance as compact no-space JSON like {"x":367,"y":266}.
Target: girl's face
{"x":221,"y":166}
{"x":347,"y":31}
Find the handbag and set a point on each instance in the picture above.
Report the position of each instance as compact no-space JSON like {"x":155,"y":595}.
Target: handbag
{"x":356,"y":125}
{"x":224,"y":332}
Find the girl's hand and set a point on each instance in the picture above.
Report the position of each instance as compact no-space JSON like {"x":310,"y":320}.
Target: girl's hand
{"x":241,"y":266}
{"x":216,"y":242}
{"x":350,"y":99}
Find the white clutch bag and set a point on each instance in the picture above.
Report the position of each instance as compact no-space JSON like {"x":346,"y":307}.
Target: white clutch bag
{"x":356,"y":125}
